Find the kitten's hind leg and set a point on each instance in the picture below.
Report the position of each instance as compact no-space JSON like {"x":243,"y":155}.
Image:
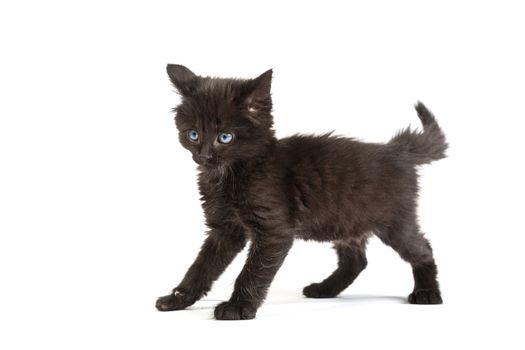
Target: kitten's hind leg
{"x":407,"y":240}
{"x":352,"y":260}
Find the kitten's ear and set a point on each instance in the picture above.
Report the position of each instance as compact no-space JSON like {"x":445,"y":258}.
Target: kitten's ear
{"x":260,"y":86}
{"x":255,"y":98}
{"x":256,"y":92}
{"x":182,"y":78}
{"x":263,"y":83}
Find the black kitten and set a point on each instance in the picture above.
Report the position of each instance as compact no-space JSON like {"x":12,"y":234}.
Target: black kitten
{"x":269,"y":191}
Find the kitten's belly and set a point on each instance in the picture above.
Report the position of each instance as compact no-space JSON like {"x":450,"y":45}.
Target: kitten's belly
{"x":328,"y":231}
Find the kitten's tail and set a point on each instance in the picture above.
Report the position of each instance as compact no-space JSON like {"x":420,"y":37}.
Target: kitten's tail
{"x":422,"y":146}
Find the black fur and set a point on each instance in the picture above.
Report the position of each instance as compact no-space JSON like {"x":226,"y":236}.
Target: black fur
{"x":270,"y":191}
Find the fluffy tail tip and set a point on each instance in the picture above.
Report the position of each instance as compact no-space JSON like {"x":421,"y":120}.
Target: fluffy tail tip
{"x":424,"y":114}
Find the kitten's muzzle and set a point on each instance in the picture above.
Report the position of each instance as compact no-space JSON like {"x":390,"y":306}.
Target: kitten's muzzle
{"x":204,"y":159}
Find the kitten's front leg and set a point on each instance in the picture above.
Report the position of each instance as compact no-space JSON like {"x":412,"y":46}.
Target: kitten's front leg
{"x":264,"y":260}
{"x":217,"y":252}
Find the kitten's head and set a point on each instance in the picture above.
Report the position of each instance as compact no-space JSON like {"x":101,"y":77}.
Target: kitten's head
{"x":223,"y":121}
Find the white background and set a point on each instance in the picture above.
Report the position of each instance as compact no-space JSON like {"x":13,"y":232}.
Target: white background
{"x":99,"y":212}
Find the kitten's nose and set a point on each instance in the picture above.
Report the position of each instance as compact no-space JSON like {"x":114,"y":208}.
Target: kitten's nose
{"x":205,"y":156}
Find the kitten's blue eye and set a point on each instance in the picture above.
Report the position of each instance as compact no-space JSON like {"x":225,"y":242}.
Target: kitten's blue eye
{"x":193,"y":135}
{"x":225,"y":137}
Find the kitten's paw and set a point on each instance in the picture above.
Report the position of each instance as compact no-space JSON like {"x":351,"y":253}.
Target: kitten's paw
{"x":175,"y":301}
{"x":318,"y":290}
{"x":235,"y":310}
{"x":425,"y":296}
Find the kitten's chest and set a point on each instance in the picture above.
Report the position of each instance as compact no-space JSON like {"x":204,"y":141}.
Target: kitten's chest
{"x":240,"y":204}
{"x":247,"y":199}
{"x":228,"y":203}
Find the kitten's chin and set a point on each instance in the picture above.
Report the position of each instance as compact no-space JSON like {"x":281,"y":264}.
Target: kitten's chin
{"x":215,"y":170}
